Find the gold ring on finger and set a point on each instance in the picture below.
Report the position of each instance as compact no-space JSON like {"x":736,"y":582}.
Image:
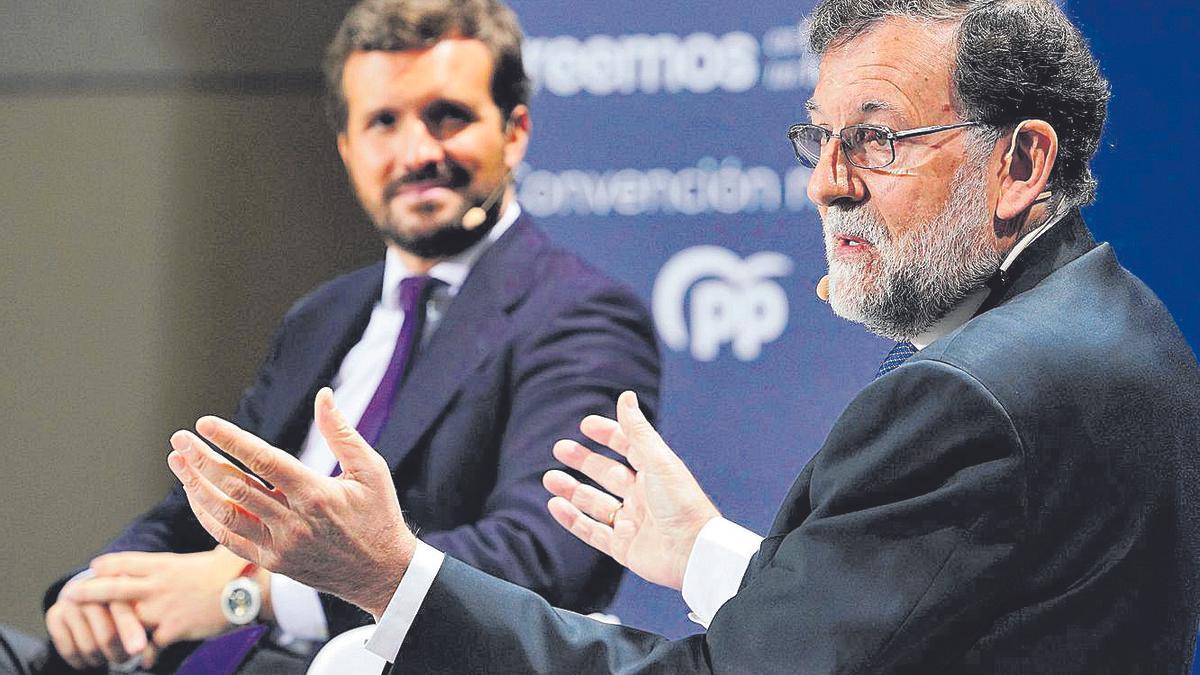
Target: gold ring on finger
{"x":612,"y":517}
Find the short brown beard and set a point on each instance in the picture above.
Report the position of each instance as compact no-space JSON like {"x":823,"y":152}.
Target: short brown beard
{"x":446,"y":239}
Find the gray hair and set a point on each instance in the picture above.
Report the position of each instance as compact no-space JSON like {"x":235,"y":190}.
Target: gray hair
{"x":1015,"y":60}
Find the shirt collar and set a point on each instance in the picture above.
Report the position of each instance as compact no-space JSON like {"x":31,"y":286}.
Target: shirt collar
{"x":956,"y":317}
{"x":966,"y":309}
{"x":452,"y":271}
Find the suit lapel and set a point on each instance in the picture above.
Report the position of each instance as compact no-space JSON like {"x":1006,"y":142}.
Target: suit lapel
{"x":476,"y":322}
{"x":318,"y":339}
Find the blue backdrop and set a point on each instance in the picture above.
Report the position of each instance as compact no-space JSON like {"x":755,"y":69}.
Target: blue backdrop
{"x":659,"y":152}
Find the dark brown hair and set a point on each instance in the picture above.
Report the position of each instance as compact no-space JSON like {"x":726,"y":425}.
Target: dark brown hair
{"x":401,"y":25}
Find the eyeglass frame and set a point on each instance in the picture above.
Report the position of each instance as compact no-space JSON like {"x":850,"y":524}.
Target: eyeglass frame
{"x":891,"y":134}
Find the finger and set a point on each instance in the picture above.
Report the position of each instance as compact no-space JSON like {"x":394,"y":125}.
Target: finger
{"x":606,"y":432}
{"x":229,"y":524}
{"x":126,"y":563}
{"x":587,"y":530}
{"x":645,"y":445}
{"x":85,"y":645}
{"x":608,"y":473}
{"x":355,"y":455}
{"x":250,"y":549}
{"x":104,"y":634}
{"x":164,"y":636}
{"x":238,"y":485}
{"x":149,"y":656}
{"x":61,"y":634}
{"x":129,"y":628}
{"x":598,"y":505}
{"x":203,"y":457}
{"x":108,"y":589}
{"x":283,"y":471}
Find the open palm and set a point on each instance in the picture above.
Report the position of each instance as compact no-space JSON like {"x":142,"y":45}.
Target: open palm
{"x":649,"y":518}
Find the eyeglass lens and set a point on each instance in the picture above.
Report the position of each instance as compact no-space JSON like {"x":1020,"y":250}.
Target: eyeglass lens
{"x":865,"y":147}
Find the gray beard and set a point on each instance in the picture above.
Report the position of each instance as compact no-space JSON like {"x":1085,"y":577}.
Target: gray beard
{"x":917,"y":278}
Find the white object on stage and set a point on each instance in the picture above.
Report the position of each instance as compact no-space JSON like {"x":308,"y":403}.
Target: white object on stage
{"x":345,"y":654}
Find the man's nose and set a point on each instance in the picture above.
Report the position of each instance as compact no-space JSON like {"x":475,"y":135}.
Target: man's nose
{"x":417,"y":147}
{"x":834,"y":178}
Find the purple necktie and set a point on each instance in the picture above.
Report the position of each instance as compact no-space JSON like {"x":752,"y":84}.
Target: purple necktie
{"x":223,"y":654}
{"x":412,"y":296}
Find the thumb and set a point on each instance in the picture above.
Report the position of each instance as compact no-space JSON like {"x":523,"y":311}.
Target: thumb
{"x":645,"y":445}
{"x":351,"y":451}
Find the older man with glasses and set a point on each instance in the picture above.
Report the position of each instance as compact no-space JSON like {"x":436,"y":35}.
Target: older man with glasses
{"x":1014,"y":493}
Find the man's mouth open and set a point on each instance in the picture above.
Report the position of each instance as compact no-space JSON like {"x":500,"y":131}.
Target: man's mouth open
{"x":846,"y":245}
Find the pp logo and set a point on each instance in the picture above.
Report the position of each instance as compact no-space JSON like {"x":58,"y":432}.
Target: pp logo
{"x":732,"y":301}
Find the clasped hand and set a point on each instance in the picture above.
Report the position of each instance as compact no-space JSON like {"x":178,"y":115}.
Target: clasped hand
{"x":168,"y":597}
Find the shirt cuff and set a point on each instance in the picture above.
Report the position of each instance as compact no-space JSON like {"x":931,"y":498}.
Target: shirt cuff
{"x":398,"y":618}
{"x":87,"y":573}
{"x":716,"y":566}
{"x":297,"y":609}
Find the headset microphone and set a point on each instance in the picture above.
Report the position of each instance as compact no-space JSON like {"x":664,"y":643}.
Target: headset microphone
{"x":476,"y":215}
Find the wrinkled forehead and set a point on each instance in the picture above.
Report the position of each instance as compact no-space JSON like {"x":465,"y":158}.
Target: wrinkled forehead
{"x":897,"y":73}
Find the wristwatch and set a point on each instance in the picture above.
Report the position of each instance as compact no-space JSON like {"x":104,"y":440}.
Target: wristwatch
{"x":241,"y":599}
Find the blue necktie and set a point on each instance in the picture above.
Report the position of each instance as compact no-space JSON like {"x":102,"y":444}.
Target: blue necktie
{"x":899,"y":354}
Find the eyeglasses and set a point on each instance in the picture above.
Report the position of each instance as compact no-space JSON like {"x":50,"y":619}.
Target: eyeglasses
{"x":867,"y":146}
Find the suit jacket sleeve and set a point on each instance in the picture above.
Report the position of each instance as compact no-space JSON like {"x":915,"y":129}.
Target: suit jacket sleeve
{"x":894,"y":550}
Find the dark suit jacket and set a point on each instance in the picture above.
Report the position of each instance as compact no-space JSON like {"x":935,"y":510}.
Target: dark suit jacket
{"x":1020,"y":497}
{"x":534,"y":341}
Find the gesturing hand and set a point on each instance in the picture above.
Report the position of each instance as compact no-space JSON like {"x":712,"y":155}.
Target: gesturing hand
{"x":344,"y":535}
{"x":662,"y":509}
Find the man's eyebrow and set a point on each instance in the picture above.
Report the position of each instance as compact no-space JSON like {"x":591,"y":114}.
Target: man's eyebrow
{"x":444,"y":106}
{"x":866,"y":107}
{"x":876,"y":106}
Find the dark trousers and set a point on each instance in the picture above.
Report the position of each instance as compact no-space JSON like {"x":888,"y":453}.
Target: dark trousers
{"x":37,"y":657}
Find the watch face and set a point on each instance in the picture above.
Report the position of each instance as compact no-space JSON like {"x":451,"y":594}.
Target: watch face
{"x":241,"y":601}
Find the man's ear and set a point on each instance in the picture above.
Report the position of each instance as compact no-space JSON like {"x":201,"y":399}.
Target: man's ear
{"x":341,"y":145}
{"x":1025,"y":168}
{"x":516,"y":136}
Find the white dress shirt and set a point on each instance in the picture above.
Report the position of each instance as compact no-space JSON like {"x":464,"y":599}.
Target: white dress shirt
{"x":297,"y":607}
{"x":722,"y":551}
